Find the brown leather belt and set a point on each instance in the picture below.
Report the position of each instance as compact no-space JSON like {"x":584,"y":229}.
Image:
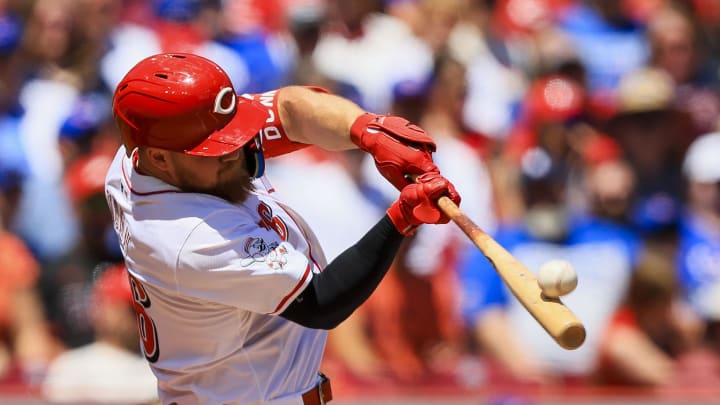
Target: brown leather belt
{"x":319,"y":394}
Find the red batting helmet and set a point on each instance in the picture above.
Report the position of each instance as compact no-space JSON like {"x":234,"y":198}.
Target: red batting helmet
{"x":184,"y":103}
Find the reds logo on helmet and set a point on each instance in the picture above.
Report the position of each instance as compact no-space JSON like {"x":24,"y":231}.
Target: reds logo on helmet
{"x":218,"y":108}
{"x":184,"y":103}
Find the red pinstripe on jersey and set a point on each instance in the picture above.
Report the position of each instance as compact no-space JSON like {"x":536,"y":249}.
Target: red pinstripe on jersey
{"x":294,"y":290}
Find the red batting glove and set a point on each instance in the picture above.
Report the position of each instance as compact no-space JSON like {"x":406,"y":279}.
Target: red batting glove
{"x":398,"y":147}
{"x":417,"y":203}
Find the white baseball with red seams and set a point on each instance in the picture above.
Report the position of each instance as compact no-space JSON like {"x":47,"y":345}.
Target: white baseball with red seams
{"x":557,"y":278}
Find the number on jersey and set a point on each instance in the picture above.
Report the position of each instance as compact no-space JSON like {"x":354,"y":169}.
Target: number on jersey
{"x":146,"y":326}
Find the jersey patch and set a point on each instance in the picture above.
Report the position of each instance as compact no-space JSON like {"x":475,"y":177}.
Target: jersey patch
{"x":256,"y":250}
{"x":277,"y":259}
{"x":273,"y":254}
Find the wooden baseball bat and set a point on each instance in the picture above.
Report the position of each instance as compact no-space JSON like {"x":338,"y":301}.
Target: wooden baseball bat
{"x":551,"y":313}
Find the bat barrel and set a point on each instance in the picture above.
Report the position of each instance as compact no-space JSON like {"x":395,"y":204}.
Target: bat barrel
{"x":572,"y":336}
{"x":557,"y":319}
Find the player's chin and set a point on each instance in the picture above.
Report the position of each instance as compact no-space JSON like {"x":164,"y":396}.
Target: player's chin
{"x":235,"y":190}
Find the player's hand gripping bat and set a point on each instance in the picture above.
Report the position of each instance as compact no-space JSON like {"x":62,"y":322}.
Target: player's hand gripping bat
{"x":559,"y":322}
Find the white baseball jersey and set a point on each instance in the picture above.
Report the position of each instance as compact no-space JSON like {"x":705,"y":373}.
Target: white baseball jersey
{"x":208,"y":278}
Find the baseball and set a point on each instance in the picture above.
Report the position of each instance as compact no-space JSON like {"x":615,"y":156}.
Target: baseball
{"x":557,"y":278}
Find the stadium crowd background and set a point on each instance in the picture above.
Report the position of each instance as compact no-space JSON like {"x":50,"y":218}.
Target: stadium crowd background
{"x":583,"y":130}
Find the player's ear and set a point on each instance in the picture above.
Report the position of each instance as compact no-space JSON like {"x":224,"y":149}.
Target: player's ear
{"x":155,"y":157}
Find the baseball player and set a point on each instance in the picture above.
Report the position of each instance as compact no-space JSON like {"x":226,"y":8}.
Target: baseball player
{"x":232,"y":292}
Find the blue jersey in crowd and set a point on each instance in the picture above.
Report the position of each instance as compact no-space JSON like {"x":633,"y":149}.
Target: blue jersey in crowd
{"x":699,"y":263}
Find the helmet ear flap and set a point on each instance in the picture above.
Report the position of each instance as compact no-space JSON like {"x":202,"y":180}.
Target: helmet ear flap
{"x":254,"y":157}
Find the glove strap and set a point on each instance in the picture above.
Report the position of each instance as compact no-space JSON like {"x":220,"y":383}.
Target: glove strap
{"x":397,"y":217}
{"x":357,"y":130}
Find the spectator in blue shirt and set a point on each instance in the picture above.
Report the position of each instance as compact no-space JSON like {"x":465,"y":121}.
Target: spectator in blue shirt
{"x":699,"y":250}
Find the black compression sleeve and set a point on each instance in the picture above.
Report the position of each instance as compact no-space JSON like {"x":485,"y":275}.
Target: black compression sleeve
{"x":348,"y":280}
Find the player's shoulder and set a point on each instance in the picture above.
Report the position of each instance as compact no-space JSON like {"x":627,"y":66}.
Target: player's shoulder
{"x":216,"y":219}
{"x":196,"y":211}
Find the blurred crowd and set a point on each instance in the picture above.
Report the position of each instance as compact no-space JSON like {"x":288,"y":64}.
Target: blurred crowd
{"x":585,"y":130}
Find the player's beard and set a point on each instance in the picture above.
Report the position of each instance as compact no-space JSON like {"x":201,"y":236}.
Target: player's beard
{"x":233,"y":182}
